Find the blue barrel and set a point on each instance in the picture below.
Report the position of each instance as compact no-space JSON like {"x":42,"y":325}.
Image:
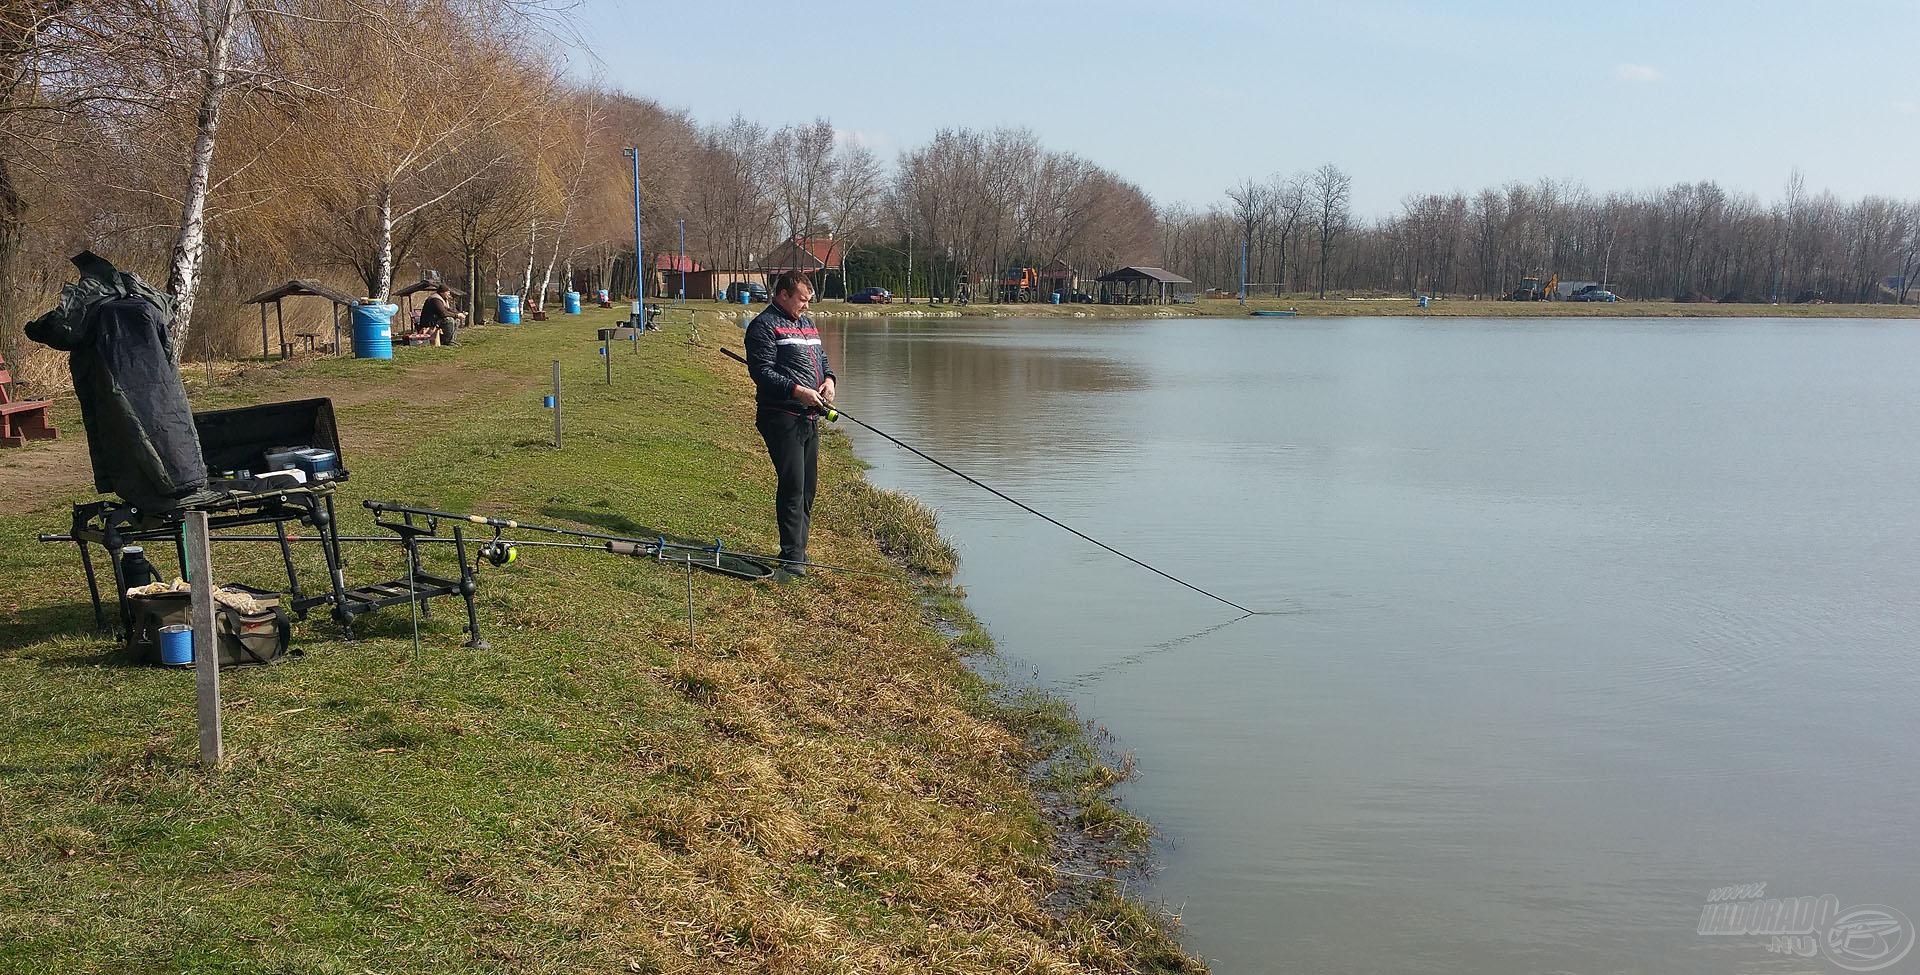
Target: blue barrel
{"x":573,"y":302}
{"x":373,"y":331}
{"x":1056,"y":297}
{"x":508,"y":312}
{"x":746,"y":297}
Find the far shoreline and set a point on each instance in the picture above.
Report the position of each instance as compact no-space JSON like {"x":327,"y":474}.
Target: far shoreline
{"x":1370,"y":307}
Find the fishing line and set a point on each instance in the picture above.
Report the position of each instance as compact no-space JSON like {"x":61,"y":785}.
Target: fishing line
{"x":834,"y":413}
{"x":1133,"y":658}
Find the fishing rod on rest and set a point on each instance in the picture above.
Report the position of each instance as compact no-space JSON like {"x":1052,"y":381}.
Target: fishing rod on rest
{"x":617,"y":544}
{"x":503,"y":558}
{"x":833,"y":414}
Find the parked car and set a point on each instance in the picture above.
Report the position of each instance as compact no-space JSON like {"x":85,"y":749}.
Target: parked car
{"x":754,"y":290}
{"x":871,"y":296}
{"x":1080,"y":297}
{"x":1594,"y":294}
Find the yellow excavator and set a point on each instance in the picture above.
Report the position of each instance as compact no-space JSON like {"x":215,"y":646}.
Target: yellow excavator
{"x":1531,"y":290}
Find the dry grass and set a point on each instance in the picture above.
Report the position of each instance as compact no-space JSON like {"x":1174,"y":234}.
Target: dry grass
{"x":901,"y":526}
{"x":814,"y":781}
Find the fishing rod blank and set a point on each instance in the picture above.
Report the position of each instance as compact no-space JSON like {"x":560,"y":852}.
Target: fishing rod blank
{"x":833,"y":413}
{"x":636,"y":547}
{"x":714,"y":557}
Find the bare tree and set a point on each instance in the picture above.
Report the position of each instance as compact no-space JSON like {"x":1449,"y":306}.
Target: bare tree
{"x":47,"y":51}
{"x":410,"y":117}
{"x":577,"y":141}
{"x":1909,"y":242}
{"x":732,"y":200}
{"x":1331,"y":194}
{"x":1289,"y":195}
{"x":1250,"y":202}
{"x":803,"y":166}
{"x":219,"y":22}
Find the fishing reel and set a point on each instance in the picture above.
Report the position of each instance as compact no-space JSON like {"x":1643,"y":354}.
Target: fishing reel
{"x":499,"y":552}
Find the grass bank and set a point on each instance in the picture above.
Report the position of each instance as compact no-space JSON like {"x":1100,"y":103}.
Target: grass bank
{"x":811,"y":781}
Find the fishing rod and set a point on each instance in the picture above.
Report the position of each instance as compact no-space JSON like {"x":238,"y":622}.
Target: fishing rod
{"x":833,"y":414}
{"x":656,"y":546}
{"x":504,"y":557}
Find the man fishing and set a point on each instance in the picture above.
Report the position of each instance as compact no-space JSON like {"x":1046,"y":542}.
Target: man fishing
{"x":793,"y":384}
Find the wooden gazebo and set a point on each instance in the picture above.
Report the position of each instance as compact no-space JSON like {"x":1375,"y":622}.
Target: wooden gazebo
{"x":296,"y":288}
{"x":425,"y":284}
{"x":1139,"y":286}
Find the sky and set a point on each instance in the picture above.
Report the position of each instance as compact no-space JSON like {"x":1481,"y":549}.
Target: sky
{"x":1186,"y":99}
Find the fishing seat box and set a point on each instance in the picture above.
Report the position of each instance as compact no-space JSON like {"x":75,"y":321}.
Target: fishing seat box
{"x":244,"y":638}
{"x":243,"y":438}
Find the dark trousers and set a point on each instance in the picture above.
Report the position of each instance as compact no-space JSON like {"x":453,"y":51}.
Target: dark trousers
{"x":793,"y":443}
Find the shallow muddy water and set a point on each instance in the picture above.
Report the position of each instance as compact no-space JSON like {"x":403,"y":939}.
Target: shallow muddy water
{"x":1582,"y":619}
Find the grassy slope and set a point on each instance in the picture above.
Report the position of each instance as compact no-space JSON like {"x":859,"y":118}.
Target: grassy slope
{"x":811,"y":782}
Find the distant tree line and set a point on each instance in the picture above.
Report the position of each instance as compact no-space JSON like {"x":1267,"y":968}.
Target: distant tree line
{"x":1688,"y":242}
{"x":223,"y":146}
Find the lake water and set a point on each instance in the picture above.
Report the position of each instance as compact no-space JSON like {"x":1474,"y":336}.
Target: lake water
{"x":1581,"y":619}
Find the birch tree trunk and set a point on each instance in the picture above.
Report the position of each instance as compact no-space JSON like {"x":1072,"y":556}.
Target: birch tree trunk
{"x":476,"y":312}
{"x":217,"y":22}
{"x":546,"y":280}
{"x":382,"y":284}
{"x":526,"y":280}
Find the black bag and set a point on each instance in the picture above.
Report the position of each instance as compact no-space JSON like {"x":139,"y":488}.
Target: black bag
{"x":243,"y":638}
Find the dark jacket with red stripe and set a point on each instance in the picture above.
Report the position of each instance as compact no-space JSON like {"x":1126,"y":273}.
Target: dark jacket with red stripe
{"x":783,"y":353}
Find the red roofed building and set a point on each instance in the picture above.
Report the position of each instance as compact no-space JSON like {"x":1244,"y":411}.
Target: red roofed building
{"x":810,"y":254}
{"x":667,"y":269}
{"x":817,"y":256}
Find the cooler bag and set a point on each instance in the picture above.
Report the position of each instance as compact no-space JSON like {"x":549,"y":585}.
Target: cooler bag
{"x":260,"y":637}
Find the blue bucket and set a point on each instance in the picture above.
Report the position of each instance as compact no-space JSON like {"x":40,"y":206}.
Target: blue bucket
{"x":373,"y":331}
{"x":573,"y":302}
{"x":508,"y":310}
{"x":176,"y":645}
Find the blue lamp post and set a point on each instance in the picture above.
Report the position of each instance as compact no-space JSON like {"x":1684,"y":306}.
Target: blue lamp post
{"x":639,"y":264}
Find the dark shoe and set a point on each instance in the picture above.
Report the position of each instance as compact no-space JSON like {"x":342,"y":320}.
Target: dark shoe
{"x":789,"y":573}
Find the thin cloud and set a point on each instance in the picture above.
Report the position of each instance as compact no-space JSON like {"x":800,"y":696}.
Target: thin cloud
{"x":1905,"y":108}
{"x":877,"y":142}
{"x":1637,"y":73}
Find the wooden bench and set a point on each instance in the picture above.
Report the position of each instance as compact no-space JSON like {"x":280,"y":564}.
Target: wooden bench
{"x":22,"y":421}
